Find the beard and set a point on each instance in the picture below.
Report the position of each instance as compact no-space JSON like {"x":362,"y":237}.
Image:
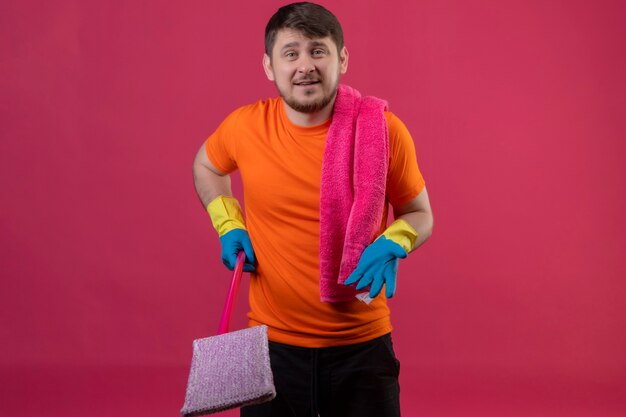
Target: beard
{"x":309,"y":107}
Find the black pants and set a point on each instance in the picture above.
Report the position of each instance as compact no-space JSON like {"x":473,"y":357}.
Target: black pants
{"x":356,"y":380}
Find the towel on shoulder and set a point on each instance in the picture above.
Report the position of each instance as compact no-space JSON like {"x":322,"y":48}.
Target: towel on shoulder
{"x":352,"y":195}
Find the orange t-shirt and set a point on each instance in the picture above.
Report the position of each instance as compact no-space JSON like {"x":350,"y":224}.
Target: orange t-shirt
{"x":280,"y":165}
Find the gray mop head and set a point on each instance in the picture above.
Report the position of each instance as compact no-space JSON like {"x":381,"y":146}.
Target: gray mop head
{"x":228,"y":371}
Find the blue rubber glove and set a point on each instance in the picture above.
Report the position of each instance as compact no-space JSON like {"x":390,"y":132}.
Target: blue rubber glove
{"x":378,"y":266}
{"x":232,"y":243}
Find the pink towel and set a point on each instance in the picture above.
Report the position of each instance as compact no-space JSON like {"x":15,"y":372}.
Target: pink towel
{"x":352,"y":195}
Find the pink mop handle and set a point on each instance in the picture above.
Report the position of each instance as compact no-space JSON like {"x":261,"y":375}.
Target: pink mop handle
{"x":232,"y":294}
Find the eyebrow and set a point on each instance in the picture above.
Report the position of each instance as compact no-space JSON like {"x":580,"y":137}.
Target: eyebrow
{"x":296,"y":43}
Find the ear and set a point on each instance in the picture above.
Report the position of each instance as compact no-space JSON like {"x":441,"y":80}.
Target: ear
{"x":267,"y":67}
{"x":343,"y":60}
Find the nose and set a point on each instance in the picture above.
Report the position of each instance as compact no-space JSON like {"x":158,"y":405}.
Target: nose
{"x":306,"y":66}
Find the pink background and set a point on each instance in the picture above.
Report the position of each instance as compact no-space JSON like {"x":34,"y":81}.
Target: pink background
{"x":110,"y":268}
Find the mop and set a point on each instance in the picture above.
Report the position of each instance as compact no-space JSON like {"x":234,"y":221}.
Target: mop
{"x":229,"y":370}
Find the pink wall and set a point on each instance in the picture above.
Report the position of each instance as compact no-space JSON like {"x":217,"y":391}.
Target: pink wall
{"x":110,"y":268}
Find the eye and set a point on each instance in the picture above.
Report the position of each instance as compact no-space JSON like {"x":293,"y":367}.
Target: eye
{"x":319,"y":52}
{"x":290,"y":55}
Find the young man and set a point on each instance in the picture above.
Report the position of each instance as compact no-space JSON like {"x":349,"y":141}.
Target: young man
{"x":331,"y":356}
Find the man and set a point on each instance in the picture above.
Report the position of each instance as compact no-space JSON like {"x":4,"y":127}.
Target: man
{"x":329,"y":358}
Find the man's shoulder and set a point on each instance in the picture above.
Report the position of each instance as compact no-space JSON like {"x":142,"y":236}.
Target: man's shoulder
{"x":258,"y":109}
{"x":393,"y":121}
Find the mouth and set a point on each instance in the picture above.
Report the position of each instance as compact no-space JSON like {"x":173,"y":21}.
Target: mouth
{"x":306,"y":83}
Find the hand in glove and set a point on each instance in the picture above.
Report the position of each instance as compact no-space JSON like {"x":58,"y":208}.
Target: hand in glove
{"x":378,"y":264}
{"x":232,"y":243}
{"x":228,"y":220}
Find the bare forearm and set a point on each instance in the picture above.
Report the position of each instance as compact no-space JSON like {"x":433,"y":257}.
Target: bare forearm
{"x":208,"y":183}
{"x":419,"y":215}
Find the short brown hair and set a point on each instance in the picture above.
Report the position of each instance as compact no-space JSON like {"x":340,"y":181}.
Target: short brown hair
{"x":313,"y":20}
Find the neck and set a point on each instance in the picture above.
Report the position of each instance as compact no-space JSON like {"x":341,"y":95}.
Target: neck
{"x":309,"y":119}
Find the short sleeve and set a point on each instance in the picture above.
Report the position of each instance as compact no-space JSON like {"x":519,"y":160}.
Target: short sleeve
{"x":221,"y":146}
{"x":404,"y":179}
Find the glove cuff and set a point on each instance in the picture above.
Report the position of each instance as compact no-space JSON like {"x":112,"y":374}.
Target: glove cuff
{"x":226,"y":214}
{"x":402,"y":233}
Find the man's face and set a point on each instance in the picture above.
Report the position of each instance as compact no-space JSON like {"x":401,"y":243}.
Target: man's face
{"x":305,"y":71}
